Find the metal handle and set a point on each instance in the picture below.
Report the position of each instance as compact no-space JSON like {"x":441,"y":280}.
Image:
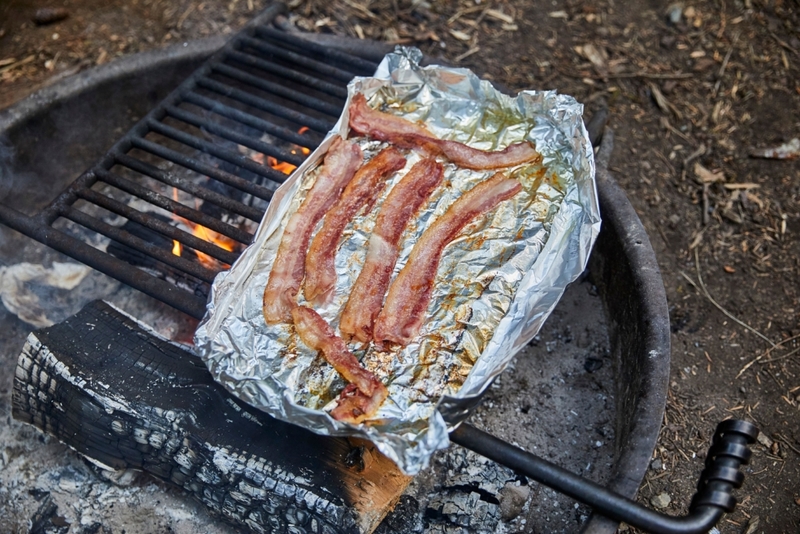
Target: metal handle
{"x":729,"y":450}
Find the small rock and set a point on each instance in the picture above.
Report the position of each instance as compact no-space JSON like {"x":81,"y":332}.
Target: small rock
{"x":49,"y":15}
{"x":656,"y":464}
{"x":661,"y":500}
{"x":512,"y":500}
{"x":674,"y":13}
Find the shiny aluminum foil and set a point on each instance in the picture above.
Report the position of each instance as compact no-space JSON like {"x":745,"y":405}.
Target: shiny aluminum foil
{"x":496,"y":284}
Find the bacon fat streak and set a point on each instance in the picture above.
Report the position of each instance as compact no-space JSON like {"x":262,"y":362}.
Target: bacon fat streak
{"x":387,"y":127}
{"x":363,"y":190}
{"x":403,"y":314}
{"x":365,"y":393}
{"x":288,"y":270}
{"x":404,"y":200}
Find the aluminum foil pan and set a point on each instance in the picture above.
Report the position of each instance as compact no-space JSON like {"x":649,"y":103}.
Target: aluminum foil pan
{"x":496,"y":284}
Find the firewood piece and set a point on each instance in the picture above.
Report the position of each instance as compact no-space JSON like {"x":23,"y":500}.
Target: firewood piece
{"x":125,"y":398}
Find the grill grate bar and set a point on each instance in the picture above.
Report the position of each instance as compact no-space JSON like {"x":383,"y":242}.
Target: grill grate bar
{"x":226,"y":178}
{"x":288,"y":74}
{"x":308,"y":100}
{"x":172,"y":206}
{"x":158,"y":225}
{"x":231,"y":135}
{"x":309,"y":140}
{"x":264,"y":81}
{"x":298,"y":59}
{"x":189,"y":267}
{"x":216,"y":150}
{"x":299,"y":118}
{"x":362,"y":66}
{"x":254,"y":214}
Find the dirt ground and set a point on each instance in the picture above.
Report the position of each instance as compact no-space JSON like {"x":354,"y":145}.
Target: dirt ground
{"x":693,"y":87}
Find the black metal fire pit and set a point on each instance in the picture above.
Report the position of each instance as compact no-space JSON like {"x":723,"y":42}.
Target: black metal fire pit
{"x":623,"y":265}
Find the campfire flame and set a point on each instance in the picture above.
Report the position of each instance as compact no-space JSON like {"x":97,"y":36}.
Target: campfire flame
{"x":283,"y":166}
{"x":206,"y":234}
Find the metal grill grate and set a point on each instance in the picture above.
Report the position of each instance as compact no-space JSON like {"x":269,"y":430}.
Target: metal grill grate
{"x":200,"y":158}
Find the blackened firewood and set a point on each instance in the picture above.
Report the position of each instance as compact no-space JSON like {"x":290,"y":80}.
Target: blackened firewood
{"x":127,"y":399}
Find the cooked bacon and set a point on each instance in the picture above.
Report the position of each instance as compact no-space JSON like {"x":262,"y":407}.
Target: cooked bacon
{"x":354,"y":406}
{"x":403,"y":201}
{"x":378,"y":125}
{"x":387,"y":127}
{"x":402,"y":315}
{"x":363,"y":190}
{"x":280,"y":294}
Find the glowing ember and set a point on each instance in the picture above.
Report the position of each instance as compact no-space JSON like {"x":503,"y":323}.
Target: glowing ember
{"x":176,"y":247}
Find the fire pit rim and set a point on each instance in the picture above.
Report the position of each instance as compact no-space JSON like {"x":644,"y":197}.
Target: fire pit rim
{"x":622,"y":233}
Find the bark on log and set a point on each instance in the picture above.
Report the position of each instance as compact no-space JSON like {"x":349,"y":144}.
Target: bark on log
{"x":125,"y":398}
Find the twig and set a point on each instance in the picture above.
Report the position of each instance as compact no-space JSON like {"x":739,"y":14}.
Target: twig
{"x":466,"y":54}
{"x":725,"y":64}
{"x":786,"y":442}
{"x":767,"y":353}
{"x":784,"y":44}
{"x":719,"y":307}
{"x":783,"y":357}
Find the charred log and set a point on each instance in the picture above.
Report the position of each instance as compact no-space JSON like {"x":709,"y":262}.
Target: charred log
{"x":125,"y":398}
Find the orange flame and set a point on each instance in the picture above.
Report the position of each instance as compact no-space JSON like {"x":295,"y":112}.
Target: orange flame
{"x":205,"y":234}
{"x":282,"y":166}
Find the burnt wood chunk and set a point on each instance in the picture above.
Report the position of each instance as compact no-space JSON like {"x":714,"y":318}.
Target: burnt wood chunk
{"x":126,"y":398}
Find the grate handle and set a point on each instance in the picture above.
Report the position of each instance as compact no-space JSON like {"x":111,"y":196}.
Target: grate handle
{"x":729,"y":450}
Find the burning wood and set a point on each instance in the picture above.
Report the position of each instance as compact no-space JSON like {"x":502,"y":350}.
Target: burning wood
{"x":169,"y":418}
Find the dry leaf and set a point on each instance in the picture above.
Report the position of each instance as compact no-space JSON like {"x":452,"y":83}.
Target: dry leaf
{"x":705,"y":176}
{"x":598,"y":57}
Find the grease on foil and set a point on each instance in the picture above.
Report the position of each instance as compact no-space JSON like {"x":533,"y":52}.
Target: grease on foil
{"x":496,"y":284}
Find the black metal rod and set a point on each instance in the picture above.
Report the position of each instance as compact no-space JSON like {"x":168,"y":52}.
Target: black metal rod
{"x":713,"y":499}
{"x":159,"y":226}
{"x":309,"y":140}
{"x":215,"y":150}
{"x":183,"y":160}
{"x":287,"y":73}
{"x":167,"y":293}
{"x":172,"y":206}
{"x":305,"y":99}
{"x":226,"y":203}
{"x":297,"y":117}
{"x":298,"y":59}
{"x":234,"y":136}
{"x":362,"y":65}
{"x":192,"y":268}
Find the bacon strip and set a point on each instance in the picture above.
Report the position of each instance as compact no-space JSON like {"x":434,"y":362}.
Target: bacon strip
{"x":387,"y":127}
{"x":403,"y":201}
{"x":365,"y":393}
{"x":363,"y":190}
{"x":280,"y":294}
{"x":402,"y":315}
